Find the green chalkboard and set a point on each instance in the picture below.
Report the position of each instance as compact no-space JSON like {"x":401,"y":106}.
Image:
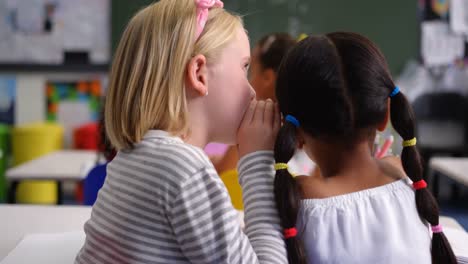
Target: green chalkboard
{"x":393,"y":25}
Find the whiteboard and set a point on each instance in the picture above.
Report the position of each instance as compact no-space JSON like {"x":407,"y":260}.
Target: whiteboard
{"x":41,"y":31}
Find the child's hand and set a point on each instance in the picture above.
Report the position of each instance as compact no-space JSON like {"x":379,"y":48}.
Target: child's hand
{"x":259,"y":127}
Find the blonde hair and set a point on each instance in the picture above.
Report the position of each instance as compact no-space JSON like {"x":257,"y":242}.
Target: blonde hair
{"x":147,"y":88}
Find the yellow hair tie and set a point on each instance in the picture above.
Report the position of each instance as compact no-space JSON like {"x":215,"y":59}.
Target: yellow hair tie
{"x":301,"y":37}
{"x":281,"y":166}
{"x":409,"y":143}
{"x":284,"y":166}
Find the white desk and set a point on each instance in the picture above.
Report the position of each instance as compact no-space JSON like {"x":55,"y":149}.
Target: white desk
{"x":450,"y":222}
{"x":60,"y":165}
{"x":19,"y":220}
{"x":454,"y":168}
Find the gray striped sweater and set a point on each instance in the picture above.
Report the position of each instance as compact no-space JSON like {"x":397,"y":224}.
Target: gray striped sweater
{"x":163,"y":202}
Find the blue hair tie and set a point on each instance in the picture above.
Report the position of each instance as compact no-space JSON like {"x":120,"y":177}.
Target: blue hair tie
{"x":291,"y":119}
{"x":395,"y":91}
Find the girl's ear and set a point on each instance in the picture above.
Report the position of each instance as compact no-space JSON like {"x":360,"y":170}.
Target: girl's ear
{"x":197,"y":76}
{"x":269,"y":77}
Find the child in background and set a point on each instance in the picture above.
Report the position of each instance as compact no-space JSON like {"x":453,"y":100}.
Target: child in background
{"x":266,"y":58}
{"x":179,"y":81}
{"x":335,"y":92}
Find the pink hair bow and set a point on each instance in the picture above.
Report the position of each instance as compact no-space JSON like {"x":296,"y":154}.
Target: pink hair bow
{"x":202,"y":13}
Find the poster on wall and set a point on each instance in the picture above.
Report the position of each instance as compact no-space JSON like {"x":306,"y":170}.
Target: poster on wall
{"x":73,"y":104}
{"x":440,"y":7}
{"x":439,"y":46}
{"x":54,"y":31}
{"x":444,"y":34}
{"x":7,"y":99}
{"x":459,"y":16}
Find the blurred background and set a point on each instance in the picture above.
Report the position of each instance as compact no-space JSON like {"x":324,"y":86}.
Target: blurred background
{"x":55,"y":57}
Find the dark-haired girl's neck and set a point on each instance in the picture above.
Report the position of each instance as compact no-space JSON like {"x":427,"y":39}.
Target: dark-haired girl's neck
{"x":340,"y":159}
{"x":345,"y":169}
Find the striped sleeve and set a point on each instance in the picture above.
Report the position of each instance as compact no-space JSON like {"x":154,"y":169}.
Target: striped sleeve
{"x":262,"y":223}
{"x":206,"y":225}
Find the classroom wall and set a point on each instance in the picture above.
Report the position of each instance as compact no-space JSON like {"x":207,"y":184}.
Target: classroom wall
{"x":393,"y":25}
{"x":30,"y":102}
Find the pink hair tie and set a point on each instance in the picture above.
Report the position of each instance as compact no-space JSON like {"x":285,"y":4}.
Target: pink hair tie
{"x":203,"y":6}
{"x":437,"y":228}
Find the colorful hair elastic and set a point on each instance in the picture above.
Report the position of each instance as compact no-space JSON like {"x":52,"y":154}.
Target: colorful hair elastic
{"x":291,"y":119}
{"x":203,"y":6}
{"x":437,"y":228}
{"x":281,"y":166}
{"x":395,"y":91}
{"x":290,"y":232}
{"x":419,"y":185}
{"x":409,"y":143}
